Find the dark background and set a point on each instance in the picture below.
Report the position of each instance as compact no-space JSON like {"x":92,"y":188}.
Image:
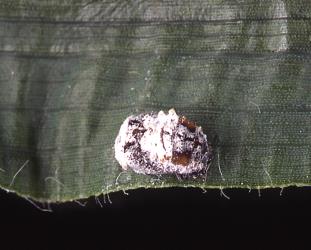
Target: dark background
{"x":163,"y":219}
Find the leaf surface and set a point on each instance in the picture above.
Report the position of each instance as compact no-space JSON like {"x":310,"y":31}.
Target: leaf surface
{"x":72,"y":71}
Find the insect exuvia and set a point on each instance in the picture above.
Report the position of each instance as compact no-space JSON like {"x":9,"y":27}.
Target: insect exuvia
{"x":159,"y":143}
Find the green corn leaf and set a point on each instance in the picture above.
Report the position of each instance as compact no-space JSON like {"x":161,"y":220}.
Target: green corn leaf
{"x":72,"y":71}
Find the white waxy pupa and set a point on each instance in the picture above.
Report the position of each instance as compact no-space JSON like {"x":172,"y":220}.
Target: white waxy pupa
{"x":159,"y":143}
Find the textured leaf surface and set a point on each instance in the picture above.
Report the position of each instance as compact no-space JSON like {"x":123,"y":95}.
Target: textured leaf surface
{"x":72,"y":71}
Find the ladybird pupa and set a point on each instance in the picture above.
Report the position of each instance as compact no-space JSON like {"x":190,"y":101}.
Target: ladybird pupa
{"x":159,"y":143}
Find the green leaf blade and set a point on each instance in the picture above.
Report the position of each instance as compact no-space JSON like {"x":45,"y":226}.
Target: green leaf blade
{"x":71,"y":72}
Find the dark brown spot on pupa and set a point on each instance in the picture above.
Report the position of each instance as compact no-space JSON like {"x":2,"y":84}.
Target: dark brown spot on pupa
{"x":188,"y":124}
{"x":181,"y":158}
